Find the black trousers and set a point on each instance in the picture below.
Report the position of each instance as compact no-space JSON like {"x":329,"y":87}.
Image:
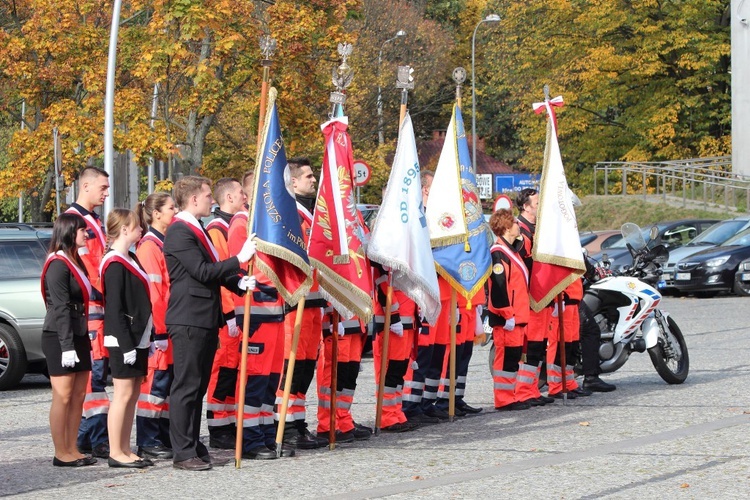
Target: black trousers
{"x":590,"y":337}
{"x":193,"y":350}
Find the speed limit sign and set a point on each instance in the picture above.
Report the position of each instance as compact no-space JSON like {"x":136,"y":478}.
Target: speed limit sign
{"x":502,"y":201}
{"x":362,"y":173}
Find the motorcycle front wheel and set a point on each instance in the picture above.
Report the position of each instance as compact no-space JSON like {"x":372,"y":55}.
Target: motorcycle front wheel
{"x":670,"y":354}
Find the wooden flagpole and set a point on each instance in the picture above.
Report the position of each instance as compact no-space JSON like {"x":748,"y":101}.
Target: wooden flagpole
{"x":384,"y":355}
{"x":563,"y":361}
{"x":459,"y":75}
{"x":452,"y":362}
{"x":334,"y":378}
{"x":288,"y":376}
{"x":267,"y":47}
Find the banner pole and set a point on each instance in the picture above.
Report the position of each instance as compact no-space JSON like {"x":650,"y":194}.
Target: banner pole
{"x":288,"y":376}
{"x":334,"y":377}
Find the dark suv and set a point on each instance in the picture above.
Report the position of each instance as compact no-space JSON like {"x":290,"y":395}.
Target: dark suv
{"x":23,"y":250}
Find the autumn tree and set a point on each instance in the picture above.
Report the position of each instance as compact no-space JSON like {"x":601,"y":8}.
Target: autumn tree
{"x":642,"y":80}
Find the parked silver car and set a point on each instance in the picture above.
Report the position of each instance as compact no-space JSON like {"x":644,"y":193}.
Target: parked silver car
{"x":23,"y":250}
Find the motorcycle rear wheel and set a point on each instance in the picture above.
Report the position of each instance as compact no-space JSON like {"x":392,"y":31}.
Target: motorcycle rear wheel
{"x":672,"y":368}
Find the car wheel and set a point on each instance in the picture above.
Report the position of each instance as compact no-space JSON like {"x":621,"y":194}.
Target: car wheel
{"x":12,"y":358}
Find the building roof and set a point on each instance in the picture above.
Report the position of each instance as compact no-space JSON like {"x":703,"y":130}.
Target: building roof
{"x":429,"y":154}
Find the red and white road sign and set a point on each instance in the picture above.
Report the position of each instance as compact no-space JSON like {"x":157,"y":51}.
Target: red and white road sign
{"x":502,"y":201}
{"x":362,"y":172}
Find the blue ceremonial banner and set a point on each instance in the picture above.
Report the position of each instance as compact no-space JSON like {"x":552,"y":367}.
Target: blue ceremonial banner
{"x":466,"y":265}
{"x":281,"y":253}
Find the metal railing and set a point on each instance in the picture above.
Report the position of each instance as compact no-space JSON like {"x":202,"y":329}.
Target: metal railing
{"x":702,"y":181}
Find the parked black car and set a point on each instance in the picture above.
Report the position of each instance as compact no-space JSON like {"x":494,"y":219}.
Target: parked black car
{"x":671,"y":234}
{"x":742,"y":279}
{"x":713,"y":270}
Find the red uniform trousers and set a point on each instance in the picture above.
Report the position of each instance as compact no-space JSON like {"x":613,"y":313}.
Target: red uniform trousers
{"x":93,"y":429}
{"x":305,"y":360}
{"x":508,"y":349}
{"x":571,"y":323}
{"x":466,"y":323}
{"x":527,"y":384}
{"x":399,"y":351}
{"x":349,"y":357}
{"x":221,"y":405}
{"x":152,"y":410}
{"x":265,"y":359}
{"x":422,"y":380}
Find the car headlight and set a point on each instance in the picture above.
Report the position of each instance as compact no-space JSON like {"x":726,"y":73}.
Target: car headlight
{"x":717,"y":262}
{"x":746,"y":266}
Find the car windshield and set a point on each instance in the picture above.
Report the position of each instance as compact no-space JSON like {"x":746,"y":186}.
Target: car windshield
{"x":741,"y":239}
{"x":718,"y":233}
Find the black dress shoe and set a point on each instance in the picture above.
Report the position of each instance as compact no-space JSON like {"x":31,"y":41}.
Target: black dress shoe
{"x":259,"y":453}
{"x":470,"y":409}
{"x":100,"y":450}
{"x":286,"y":450}
{"x":194,"y":463}
{"x":308,"y":441}
{"x":536,"y":402}
{"x":80,"y":462}
{"x":518,"y":405}
{"x":147,"y":461}
{"x":138,"y":464}
{"x":159,"y":451}
{"x":223,"y":441}
{"x":559,"y":395}
{"x":216,"y":461}
{"x":547,"y":400}
{"x":423,"y":419}
{"x":594,"y":383}
{"x":400,"y":427}
{"x":362,"y":432}
{"x":437,"y":412}
{"x":582,"y":391}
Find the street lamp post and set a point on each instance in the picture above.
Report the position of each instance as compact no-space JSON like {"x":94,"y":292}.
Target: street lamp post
{"x":381,"y":139}
{"x":491,"y":18}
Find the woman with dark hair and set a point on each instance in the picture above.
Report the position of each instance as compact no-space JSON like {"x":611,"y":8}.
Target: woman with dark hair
{"x":65,"y":342}
{"x":127,"y":331}
{"x":508,"y":308}
{"x":152,"y":412}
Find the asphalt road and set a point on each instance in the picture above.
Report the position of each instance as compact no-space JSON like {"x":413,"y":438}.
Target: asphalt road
{"x":645,"y":440}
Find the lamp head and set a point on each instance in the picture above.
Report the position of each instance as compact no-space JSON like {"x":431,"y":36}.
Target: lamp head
{"x":492,"y":18}
{"x":400,"y":33}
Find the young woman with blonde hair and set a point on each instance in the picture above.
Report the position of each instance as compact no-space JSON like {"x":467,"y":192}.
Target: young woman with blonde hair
{"x":127,"y":331}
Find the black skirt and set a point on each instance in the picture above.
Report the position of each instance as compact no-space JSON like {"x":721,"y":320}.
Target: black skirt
{"x":53,"y":352}
{"x":119,"y":369}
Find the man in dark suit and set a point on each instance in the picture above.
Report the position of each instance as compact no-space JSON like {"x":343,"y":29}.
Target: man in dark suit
{"x":194,"y":315}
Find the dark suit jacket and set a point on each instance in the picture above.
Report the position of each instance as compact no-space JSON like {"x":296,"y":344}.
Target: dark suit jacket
{"x":64,"y":301}
{"x":195,"y":281}
{"x":126,"y":305}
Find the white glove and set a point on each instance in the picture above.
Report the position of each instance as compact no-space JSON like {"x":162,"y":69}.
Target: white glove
{"x":129,"y":357}
{"x":232,"y":326}
{"x":510,"y":324}
{"x":247,"y":283}
{"x":479,"y":327}
{"x":480,"y":309}
{"x":92,"y":335}
{"x":151,"y":349}
{"x":398,"y":329}
{"x":161,"y":345}
{"x":248,"y":250}
{"x":555,"y":312}
{"x":69,"y":359}
{"x":342,"y":330}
